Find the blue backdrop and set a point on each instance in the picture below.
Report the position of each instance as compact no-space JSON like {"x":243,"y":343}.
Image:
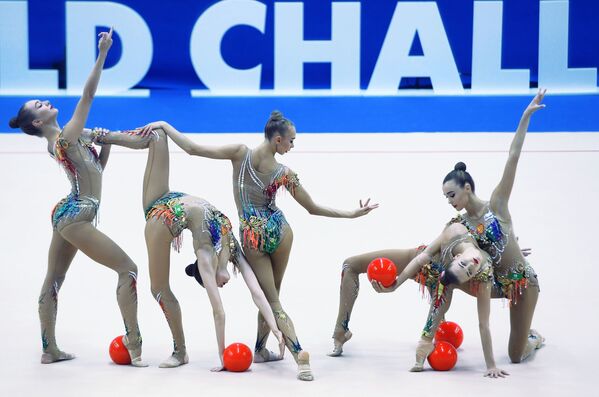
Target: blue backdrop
{"x":171,"y":75}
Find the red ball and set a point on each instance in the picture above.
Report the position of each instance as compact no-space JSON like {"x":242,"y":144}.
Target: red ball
{"x":382,"y":270}
{"x":444,"y":357}
{"x":118,"y":352}
{"x":450,"y":332}
{"x":237,"y":357}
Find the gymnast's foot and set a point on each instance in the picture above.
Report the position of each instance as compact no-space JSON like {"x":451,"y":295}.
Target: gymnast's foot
{"x":54,"y":356}
{"x":264,"y":355}
{"x":425,"y":347}
{"x":134,"y":350}
{"x":303,"y":366}
{"x":338,"y":342}
{"x":175,"y":360}
{"x":536,"y":339}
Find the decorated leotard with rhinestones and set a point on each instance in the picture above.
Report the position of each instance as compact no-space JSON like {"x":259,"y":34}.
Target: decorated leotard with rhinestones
{"x":429,"y":275}
{"x":179,"y":211}
{"x":262,"y":224}
{"x":512,"y":272}
{"x":82,"y":166}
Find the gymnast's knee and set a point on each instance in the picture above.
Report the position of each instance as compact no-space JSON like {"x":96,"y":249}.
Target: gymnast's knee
{"x":129,"y":268}
{"x":160,"y":134}
{"x":163,"y":292}
{"x":351,"y":264}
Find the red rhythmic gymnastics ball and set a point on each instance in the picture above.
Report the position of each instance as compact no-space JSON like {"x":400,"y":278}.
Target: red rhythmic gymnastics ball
{"x":444,"y":357}
{"x":450,"y":332}
{"x":237,"y":357}
{"x":382,"y":270}
{"x":118,"y":352}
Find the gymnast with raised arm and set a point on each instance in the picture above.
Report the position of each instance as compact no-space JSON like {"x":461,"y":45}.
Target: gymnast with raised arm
{"x":488,"y":223}
{"x":73,"y":218}
{"x":168,"y":213}
{"x":266,"y":236}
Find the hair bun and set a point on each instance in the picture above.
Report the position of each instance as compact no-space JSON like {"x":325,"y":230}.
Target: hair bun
{"x":13,"y":123}
{"x":275,"y":115}
{"x":460,"y":167}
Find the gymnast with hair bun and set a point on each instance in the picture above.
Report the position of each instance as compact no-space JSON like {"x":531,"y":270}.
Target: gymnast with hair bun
{"x":167,"y":214}
{"x":265,"y":234}
{"x":73,"y":218}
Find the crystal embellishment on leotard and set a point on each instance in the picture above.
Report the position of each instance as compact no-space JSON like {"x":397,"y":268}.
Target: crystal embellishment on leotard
{"x":430,"y":273}
{"x":261,"y":222}
{"x":489,"y":234}
{"x":73,"y":205}
{"x":428,"y":279}
{"x":494,"y":239}
{"x":219,"y":227}
{"x":288,"y":180}
{"x":514,"y":281}
{"x":171,"y":211}
{"x":60,"y":154}
{"x":428,"y":276}
{"x":263,"y":230}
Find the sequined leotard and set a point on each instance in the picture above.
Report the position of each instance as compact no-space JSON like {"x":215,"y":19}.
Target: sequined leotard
{"x":430,"y":273}
{"x":512,"y":272}
{"x":262,"y":224}
{"x":82,"y":165}
{"x":179,"y":211}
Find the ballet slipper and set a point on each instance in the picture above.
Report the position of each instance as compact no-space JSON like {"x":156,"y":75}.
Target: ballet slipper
{"x":537,"y":339}
{"x":56,"y":356}
{"x":134,"y":353}
{"x":338,"y":343}
{"x":303,"y":367}
{"x":265,"y":355}
{"x":175,"y":360}
{"x":424,"y":348}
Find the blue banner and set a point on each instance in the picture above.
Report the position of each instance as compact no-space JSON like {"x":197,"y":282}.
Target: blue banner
{"x":331,"y":66}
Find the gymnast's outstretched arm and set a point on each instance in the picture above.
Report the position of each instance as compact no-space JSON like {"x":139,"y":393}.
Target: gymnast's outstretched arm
{"x":73,"y":129}
{"x":413,"y":267}
{"x":501,"y":194}
{"x":225,"y":152}
{"x":300,"y":194}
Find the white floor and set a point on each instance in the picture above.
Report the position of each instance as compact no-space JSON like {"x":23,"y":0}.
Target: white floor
{"x":554,"y":204}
